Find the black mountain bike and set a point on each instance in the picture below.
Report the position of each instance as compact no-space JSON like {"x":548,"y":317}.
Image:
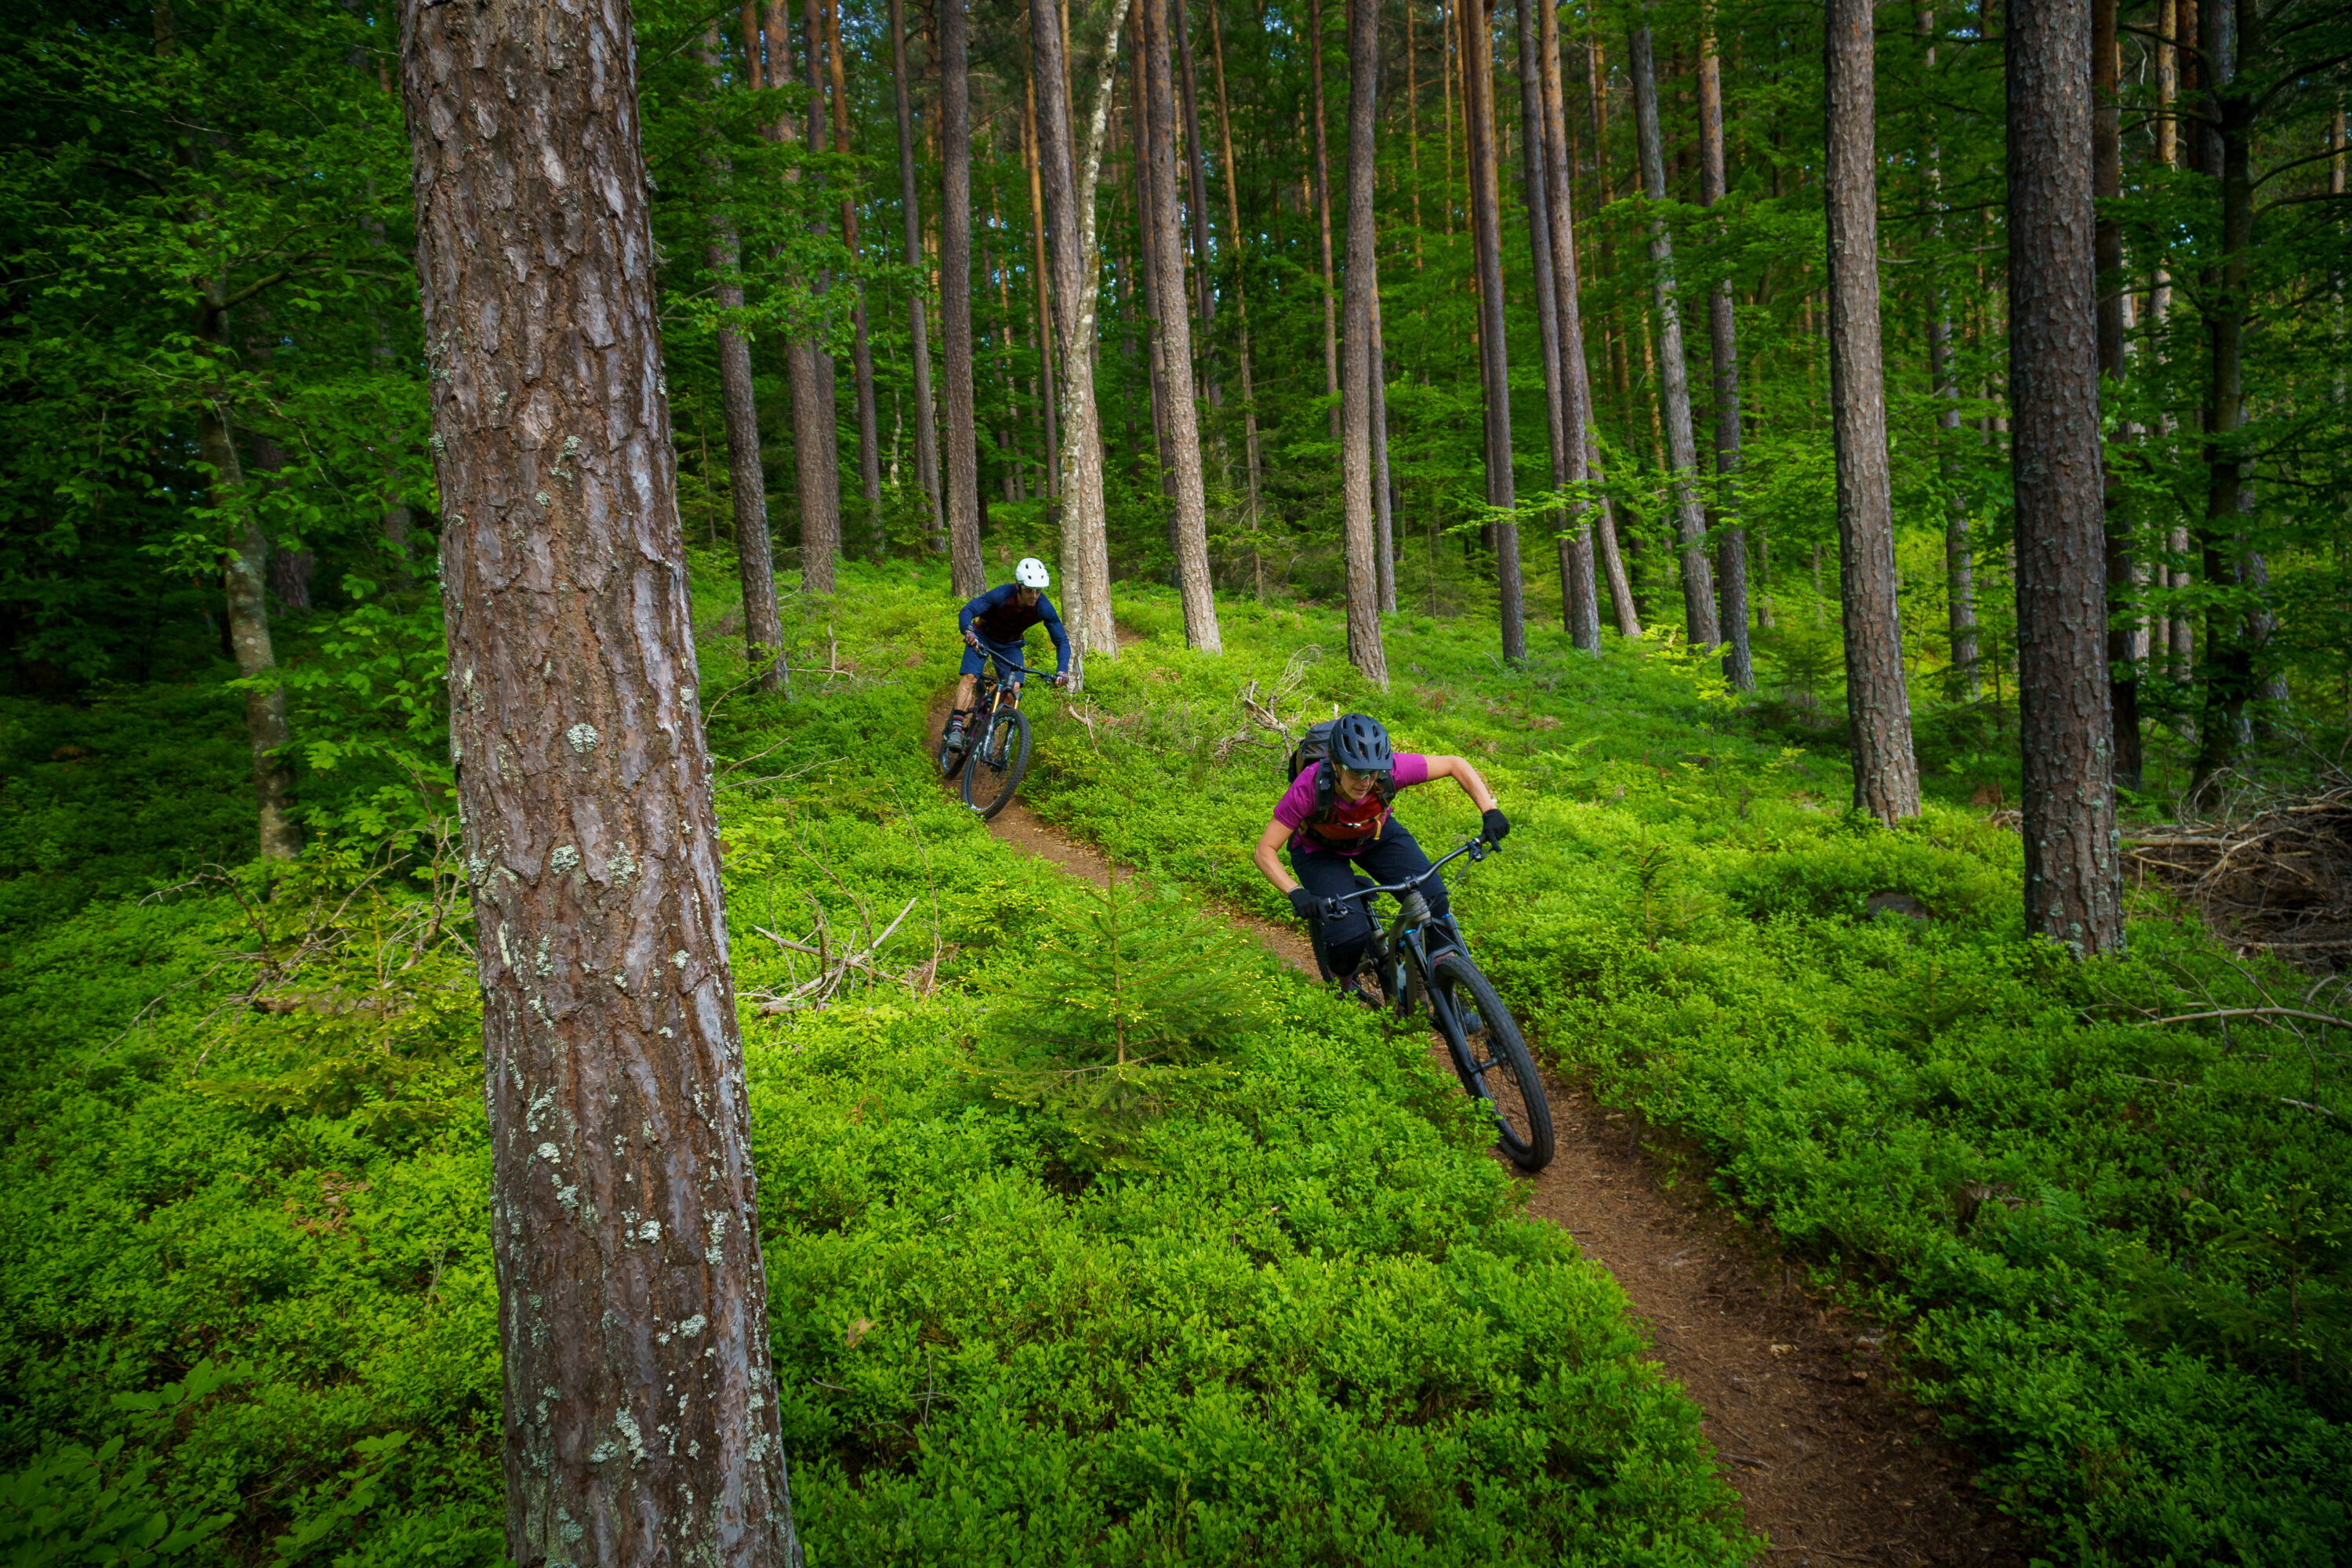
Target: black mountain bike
{"x":1419,"y":956}
{"x":995,"y":750}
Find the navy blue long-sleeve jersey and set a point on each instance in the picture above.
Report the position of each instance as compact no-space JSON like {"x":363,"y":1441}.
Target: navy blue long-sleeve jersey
{"x":1000,"y":616}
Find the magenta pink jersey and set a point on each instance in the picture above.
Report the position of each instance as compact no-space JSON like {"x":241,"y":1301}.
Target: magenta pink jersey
{"x":1348,"y":818}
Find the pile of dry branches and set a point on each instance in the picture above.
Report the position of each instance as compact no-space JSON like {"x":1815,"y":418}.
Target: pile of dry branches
{"x":2278,"y":880}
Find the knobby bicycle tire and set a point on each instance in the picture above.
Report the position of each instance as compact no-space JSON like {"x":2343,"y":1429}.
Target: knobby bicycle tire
{"x":1492,"y":1058}
{"x":998,"y":760}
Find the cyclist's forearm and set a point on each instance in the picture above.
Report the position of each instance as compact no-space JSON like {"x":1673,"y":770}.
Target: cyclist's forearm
{"x":1270,"y":867}
{"x":1473,"y":786}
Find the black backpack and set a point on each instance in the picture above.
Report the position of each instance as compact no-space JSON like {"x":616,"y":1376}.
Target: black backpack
{"x":1315,"y":747}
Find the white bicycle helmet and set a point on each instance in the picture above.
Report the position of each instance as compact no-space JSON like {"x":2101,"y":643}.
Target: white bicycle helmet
{"x":1032,"y":573}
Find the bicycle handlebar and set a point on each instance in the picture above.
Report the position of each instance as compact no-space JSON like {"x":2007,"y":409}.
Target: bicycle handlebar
{"x":1017,"y":667}
{"x":1475,"y":847}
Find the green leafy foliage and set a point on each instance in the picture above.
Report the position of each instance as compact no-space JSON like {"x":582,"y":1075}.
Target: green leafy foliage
{"x":2115,"y":1248}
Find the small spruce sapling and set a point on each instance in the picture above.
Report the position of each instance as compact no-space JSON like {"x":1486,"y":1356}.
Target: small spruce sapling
{"x":1105,"y":1020}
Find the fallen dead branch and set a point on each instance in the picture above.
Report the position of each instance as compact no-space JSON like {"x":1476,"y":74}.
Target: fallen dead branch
{"x":2277,"y":880}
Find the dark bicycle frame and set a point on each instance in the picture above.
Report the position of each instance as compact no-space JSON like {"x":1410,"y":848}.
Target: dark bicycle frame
{"x":1403,"y":942}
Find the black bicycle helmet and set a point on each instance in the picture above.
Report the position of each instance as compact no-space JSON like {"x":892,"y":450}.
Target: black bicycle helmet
{"x":1362,"y":745}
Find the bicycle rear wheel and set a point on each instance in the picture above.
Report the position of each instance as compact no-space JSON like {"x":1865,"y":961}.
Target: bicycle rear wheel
{"x":999,"y":758}
{"x":1492,"y":1058}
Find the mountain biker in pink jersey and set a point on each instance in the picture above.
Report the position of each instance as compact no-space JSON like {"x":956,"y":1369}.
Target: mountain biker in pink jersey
{"x":1334,"y":818}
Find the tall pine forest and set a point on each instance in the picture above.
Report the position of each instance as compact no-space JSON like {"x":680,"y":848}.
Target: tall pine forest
{"x":487,"y":495}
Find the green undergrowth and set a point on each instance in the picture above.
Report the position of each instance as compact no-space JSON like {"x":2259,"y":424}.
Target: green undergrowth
{"x":2115,"y":1248}
{"x":1200,"y":1267}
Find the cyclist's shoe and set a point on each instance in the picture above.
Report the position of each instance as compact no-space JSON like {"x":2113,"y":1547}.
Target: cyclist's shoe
{"x":954,"y":741}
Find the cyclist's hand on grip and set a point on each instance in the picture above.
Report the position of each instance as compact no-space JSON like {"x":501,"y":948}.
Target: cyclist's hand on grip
{"x":1060,"y":681}
{"x":971,"y":639}
{"x":1493,"y":826}
{"x":1306,"y":904}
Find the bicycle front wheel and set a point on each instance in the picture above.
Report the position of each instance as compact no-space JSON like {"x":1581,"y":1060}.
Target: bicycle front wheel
{"x":1492,"y":1058}
{"x":998,"y":760}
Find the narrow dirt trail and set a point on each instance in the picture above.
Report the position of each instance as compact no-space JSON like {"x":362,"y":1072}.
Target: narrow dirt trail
{"x":1830,"y":1464}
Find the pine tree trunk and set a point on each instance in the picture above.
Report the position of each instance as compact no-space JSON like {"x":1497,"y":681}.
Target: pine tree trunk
{"x":1535,"y":188}
{"x":2107,"y":185}
{"x":1723,"y":353}
{"x":823,"y":520}
{"x":1047,"y":412}
{"x":640,"y":1408}
{"x":1878,"y":707}
{"x":1494,"y":361}
{"x":1086,"y":551}
{"x":1323,"y":209}
{"x":1673,"y":375}
{"x":1234,"y":242}
{"x":1383,"y":497}
{"x":1196,"y":214}
{"x":1580,"y":606}
{"x":1943,"y":385}
{"x":245,"y":580}
{"x":926,"y":450}
{"x":965,"y":568}
{"x":2224,"y":136}
{"x":2073,"y":891}
{"x":763,"y":630}
{"x":861,"y":353}
{"x":1356,"y":475}
{"x":1190,"y":523}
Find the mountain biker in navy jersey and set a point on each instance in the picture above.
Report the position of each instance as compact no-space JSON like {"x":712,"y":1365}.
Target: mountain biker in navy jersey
{"x":996,"y":624}
{"x":1334,"y":818}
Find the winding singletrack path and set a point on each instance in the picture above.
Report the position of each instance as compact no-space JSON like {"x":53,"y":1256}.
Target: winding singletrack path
{"x":1831,"y":1464}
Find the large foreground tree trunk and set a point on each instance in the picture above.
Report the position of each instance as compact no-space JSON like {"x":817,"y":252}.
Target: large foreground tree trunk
{"x":1723,"y":348}
{"x":640,"y":1408}
{"x":1086,"y":547}
{"x":1673,"y":375}
{"x":1359,"y":374}
{"x":927,"y":448}
{"x":1191,"y":520}
{"x":966,"y":571}
{"x":1494,"y":358}
{"x":1878,"y":707}
{"x":2073,"y":894}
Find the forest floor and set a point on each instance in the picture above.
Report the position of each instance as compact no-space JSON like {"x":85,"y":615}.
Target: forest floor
{"x":1830,"y":1461}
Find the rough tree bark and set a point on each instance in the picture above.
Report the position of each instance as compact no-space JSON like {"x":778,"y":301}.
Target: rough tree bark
{"x":1040,"y":274}
{"x":1581,"y":607}
{"x":1196,"y":212}
{"x":861,"y":353}
{"x":1944,"y":384}
{"x":1878,"y":707}
{"x":1323,"y":209}
{"x":1723,"y":349}
{"x":244,"y":581}
{"x":2073,"y":891}
{"x":1493,"y":359}
{"x":1673,"y":375}
{"x":755,"y":565}
{"x":812,"y":410}
{"x":1191,"y":524}
{"x":1085,"y":550}
{"x":1535,"y":179}
{"x":1356,"y":475}
{"x":1234,"y":241}
{"x":926,"y":450}
{"x":817,"y":416}
{"x":967,"y":572}
{"x":640,"y":1409}
{"x":2224,"y":138}
{"x":2107,"y":185}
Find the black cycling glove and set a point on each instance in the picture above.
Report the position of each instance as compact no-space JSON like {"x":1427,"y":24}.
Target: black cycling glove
{"x":1494,"y":824}
{"x":1307,"y":905}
